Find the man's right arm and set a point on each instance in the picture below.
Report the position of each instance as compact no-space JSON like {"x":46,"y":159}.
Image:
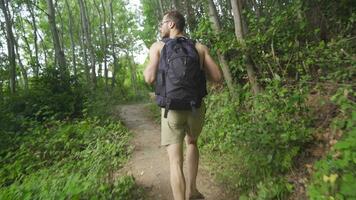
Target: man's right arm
{"x":151,"y":68}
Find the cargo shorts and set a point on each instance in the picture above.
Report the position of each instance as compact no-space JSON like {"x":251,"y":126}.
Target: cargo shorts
{"x":181,"y":122}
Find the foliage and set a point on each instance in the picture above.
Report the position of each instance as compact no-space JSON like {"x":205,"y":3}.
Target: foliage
{"x":52,"y":132}
{"x":48,"y":98}
{"x":150,"y":22}
{"x":335,"y":176}
{"x":65,"y":160}
{"x":61,"y":143}
{"x":259,"y":136}
{"x":155,"y":112}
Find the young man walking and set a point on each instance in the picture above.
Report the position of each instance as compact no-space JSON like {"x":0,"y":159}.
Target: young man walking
{"x":177,"y":124}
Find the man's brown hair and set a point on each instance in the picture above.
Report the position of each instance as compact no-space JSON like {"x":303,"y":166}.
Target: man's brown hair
{"x":177,"y":18}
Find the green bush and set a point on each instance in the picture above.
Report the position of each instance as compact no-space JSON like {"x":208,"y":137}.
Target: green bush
{"x":335,"y":176}
{"x":259,"y":136}
{"x":60,"y":160}
{"x":47,"y":99}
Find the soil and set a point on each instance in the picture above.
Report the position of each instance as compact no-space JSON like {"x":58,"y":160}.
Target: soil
{"x":149,"y":161}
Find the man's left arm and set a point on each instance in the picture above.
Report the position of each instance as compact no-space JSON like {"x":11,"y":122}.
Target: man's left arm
{"x":151,"y":68}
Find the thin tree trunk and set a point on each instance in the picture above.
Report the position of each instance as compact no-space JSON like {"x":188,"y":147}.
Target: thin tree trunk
{"x":175,"y":4}
{"x":213,"y":15}
{"x":160,"y":8}
{"x":61,"y":33}
{"x":90,"y":44}
{"x":10,"y":45}
{"x":27,"y":43}
{"x":237,"y":14}
{"x":22,"y":67}
{"x":105,"y":45}
{"x":133,"y":72}
{"x":59,"y":54}
{"x":116,"y":66}
{"x":83,"y":45}
{"x":256,"y":8}
{"x":34,"y":26}
{"x":44,"y":50}
{"x":236,"y":10}
{"x":191,"y":20}
{"x":101,"y":38}
{"x":72,"y":44}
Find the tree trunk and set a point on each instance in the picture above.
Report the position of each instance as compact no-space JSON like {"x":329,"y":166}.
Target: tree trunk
{"x":101,"y":38}
{"x":116,"y":66}
{"x":213,"y":15}
{"x":44,"y":50}
{"x":105,"y":45}
{"x":34,"y":26}
{"x":256,"y":8}
{"x":27,"y":43}
{"x":133,"y":72}
{"x":236,"y":10}
{"x":59,"y":54}
{"x":83,"y":45}
{"x":89,"y":46}
{"x":72,"y":44}
{"x":22,"y":68}
{"x":175,"y":4}
{"x":191,"y":20}
{"x":160,"y":8}
{"x":239,"y":32}
{"x":10,"y":45}
{"x":61,"y":33}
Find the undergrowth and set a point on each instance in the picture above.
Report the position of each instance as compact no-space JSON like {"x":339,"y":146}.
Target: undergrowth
{"x":254,"y":140}
{"x":335,"y":176}
{"x":48,"y":152}
{"x":65,"y":160}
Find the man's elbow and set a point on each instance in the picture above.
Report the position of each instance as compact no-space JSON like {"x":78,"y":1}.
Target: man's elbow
{"x":217,"y":78}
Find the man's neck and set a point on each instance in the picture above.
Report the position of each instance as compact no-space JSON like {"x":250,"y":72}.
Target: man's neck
{"x":175,"y":34}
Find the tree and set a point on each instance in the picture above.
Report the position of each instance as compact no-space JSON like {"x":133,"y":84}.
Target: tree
{"x":59,"y":54}
{"x":175,"y":4}
{"x":113,"y":43}
{"x":88,"y":43}
{"x":191,"y":19}
{"x":161,"y":7}
{"x":10,"y":45}
{"x":214,"y":18}
{"x":105,"y":44}
{"x":239,"y":32}
{"x":83,"y":43}
{"x":22,"y":67}
{"x":71,"y":34}
{"x":35,"y":42}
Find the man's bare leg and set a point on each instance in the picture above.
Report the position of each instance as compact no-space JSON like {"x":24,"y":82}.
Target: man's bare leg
{"x":192,"y":155}
{"x":175,"y":154}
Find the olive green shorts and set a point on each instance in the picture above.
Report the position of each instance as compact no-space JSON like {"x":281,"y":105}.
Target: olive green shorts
{"x":179,"y":123}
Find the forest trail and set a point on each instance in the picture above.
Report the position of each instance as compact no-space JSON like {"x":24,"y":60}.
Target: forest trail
{"x":149,"y":161}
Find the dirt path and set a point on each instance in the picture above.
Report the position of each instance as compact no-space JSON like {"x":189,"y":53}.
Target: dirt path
{"x":149,"y":162}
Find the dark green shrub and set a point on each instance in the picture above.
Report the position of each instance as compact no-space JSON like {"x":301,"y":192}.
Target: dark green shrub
{"x":335,"y":176}
{"x":259,"y":138}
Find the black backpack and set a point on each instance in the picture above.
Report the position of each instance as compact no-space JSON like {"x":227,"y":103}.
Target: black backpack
{"x":180,"y":83}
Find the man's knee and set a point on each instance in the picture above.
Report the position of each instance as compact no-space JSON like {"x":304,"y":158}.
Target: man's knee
{"x":191,"y":141}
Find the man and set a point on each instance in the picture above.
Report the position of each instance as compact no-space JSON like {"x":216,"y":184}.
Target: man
{"x":180,"y":124}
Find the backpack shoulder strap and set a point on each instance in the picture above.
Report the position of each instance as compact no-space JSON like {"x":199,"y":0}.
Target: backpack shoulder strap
{"x":165,"y":40}
{"x":193,"y":43}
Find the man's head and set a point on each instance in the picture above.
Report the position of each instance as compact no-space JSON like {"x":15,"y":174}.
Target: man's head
{"x":172,"y":21}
